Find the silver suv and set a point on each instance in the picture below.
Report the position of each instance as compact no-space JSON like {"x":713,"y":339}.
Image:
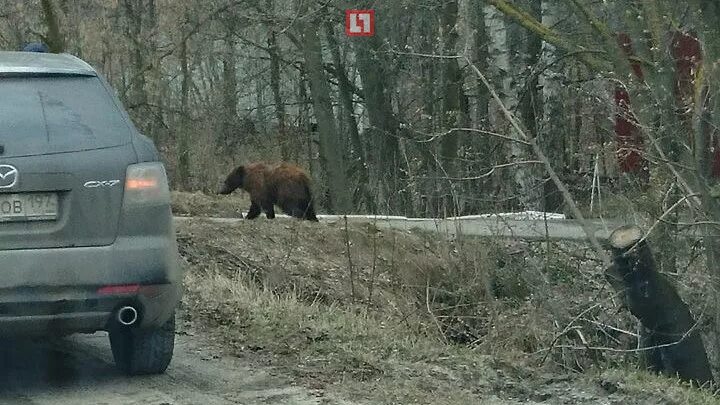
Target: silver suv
{"x":86,"y":234}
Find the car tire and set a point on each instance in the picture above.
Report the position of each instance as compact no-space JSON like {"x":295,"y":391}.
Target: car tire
{"x":143,"y":351}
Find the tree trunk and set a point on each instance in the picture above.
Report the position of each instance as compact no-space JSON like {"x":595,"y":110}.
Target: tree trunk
{"x":551,"y":130}
{"x":229,"y":137}
{"x":54,"y":37}
{"x":669,"y":327}
{"x":383,"y":152}
{"x":155,"y":78}
{"x":331,"y":151}
{"x":430,"y":189}
{"x":135,"y":13}
{"x":529,"y":49}
{"x":706,"y":116}
{"x":304,"y":115}
{"x":359,"y":166}
{"x":524,"y":177}
{"x":455,"y":107}
{"x":286,"y":148}
{"x":183,"y":144}
{"x":479,"y":147}
{"x":260,"y":101}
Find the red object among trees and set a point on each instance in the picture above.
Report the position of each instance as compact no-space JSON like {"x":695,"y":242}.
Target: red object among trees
{"x":630,"y":143}
{"x":687,"y":53}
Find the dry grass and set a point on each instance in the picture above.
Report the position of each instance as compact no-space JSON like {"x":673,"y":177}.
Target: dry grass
{"x":403,"y":317}
{"x":203,"y":205}
{"x":327,"y":345}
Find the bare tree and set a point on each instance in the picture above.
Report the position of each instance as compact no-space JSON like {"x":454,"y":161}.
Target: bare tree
{"x":331,"y":153}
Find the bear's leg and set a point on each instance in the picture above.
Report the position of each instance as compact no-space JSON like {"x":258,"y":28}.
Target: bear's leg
{"x":290,"y":207}
{"x":254,"y":211}
{"x":309,"y":211}
{"x":269,"y":210}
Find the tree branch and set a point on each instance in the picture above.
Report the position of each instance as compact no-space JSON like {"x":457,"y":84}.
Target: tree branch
{"x":546,"y":33}
{"x":611,"y":46}
{"x":567,"y":197}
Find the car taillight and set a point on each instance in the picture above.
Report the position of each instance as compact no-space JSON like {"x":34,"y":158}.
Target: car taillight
{"x":146,"y":184}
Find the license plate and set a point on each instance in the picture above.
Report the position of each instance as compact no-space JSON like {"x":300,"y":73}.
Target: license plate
{"x":28,"y":207}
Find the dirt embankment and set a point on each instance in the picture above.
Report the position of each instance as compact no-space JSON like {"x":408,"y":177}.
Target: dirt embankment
{"x":400,"y":317}
{"x":198,"y":204}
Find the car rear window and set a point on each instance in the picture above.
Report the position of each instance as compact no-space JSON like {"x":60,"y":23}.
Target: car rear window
{"x":55,"y":114}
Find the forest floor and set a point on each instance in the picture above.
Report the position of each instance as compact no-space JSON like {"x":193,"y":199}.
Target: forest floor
{"x":368,"y":316}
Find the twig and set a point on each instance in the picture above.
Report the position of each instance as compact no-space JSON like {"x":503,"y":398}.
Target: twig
{"x":427,"y":55}
{"x":553,"y":175}
{"x":659,"y":220}
{"x":669,"y":164}
{"x":614,"y":328}
{"x":371,"y":287}
{"x":565,"y":330}
{"x":349,"y":257}
{"x":636,"y":350}
{"x":430,"y":312}
{"x":480,"y":131}
{"x":484,"y":175}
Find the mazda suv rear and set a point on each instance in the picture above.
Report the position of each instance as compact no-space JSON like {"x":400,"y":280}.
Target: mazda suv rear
{"x":86,"y":234}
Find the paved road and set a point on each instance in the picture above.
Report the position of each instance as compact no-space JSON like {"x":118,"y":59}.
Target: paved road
{"x":79,"y":370}
{"x":484,"y":226}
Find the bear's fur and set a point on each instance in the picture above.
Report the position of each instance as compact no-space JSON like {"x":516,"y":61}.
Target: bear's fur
{"x":283,"y":184}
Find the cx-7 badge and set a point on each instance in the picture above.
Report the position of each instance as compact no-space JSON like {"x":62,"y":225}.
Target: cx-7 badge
{"x":101,"y":183}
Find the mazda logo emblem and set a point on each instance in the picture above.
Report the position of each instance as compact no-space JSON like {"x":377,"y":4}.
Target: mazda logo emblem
{"x":8,"y":176}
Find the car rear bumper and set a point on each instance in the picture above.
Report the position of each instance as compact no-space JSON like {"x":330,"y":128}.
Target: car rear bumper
{"x":60,"y":291}
{"x":130,"y":260}
{"x":77,"y":310}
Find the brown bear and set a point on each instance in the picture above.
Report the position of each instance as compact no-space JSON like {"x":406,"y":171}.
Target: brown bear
{"x":283,"y":184}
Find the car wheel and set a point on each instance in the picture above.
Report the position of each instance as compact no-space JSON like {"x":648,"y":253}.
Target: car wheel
{"x":143,"y":351}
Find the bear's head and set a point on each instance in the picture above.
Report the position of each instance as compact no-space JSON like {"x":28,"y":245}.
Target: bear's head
{"x":233,"y":181}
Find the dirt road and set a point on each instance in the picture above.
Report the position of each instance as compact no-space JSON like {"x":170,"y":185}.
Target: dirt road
{"x":79,"y":370}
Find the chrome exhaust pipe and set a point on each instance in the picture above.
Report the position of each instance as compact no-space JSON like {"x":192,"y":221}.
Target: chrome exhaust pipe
{"x":127,"y":315}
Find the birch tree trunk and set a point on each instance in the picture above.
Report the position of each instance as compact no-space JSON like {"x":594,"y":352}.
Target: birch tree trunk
{"x":523,"y":177}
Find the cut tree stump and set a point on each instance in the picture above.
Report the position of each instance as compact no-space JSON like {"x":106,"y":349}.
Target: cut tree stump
{"x":669,"y":330}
